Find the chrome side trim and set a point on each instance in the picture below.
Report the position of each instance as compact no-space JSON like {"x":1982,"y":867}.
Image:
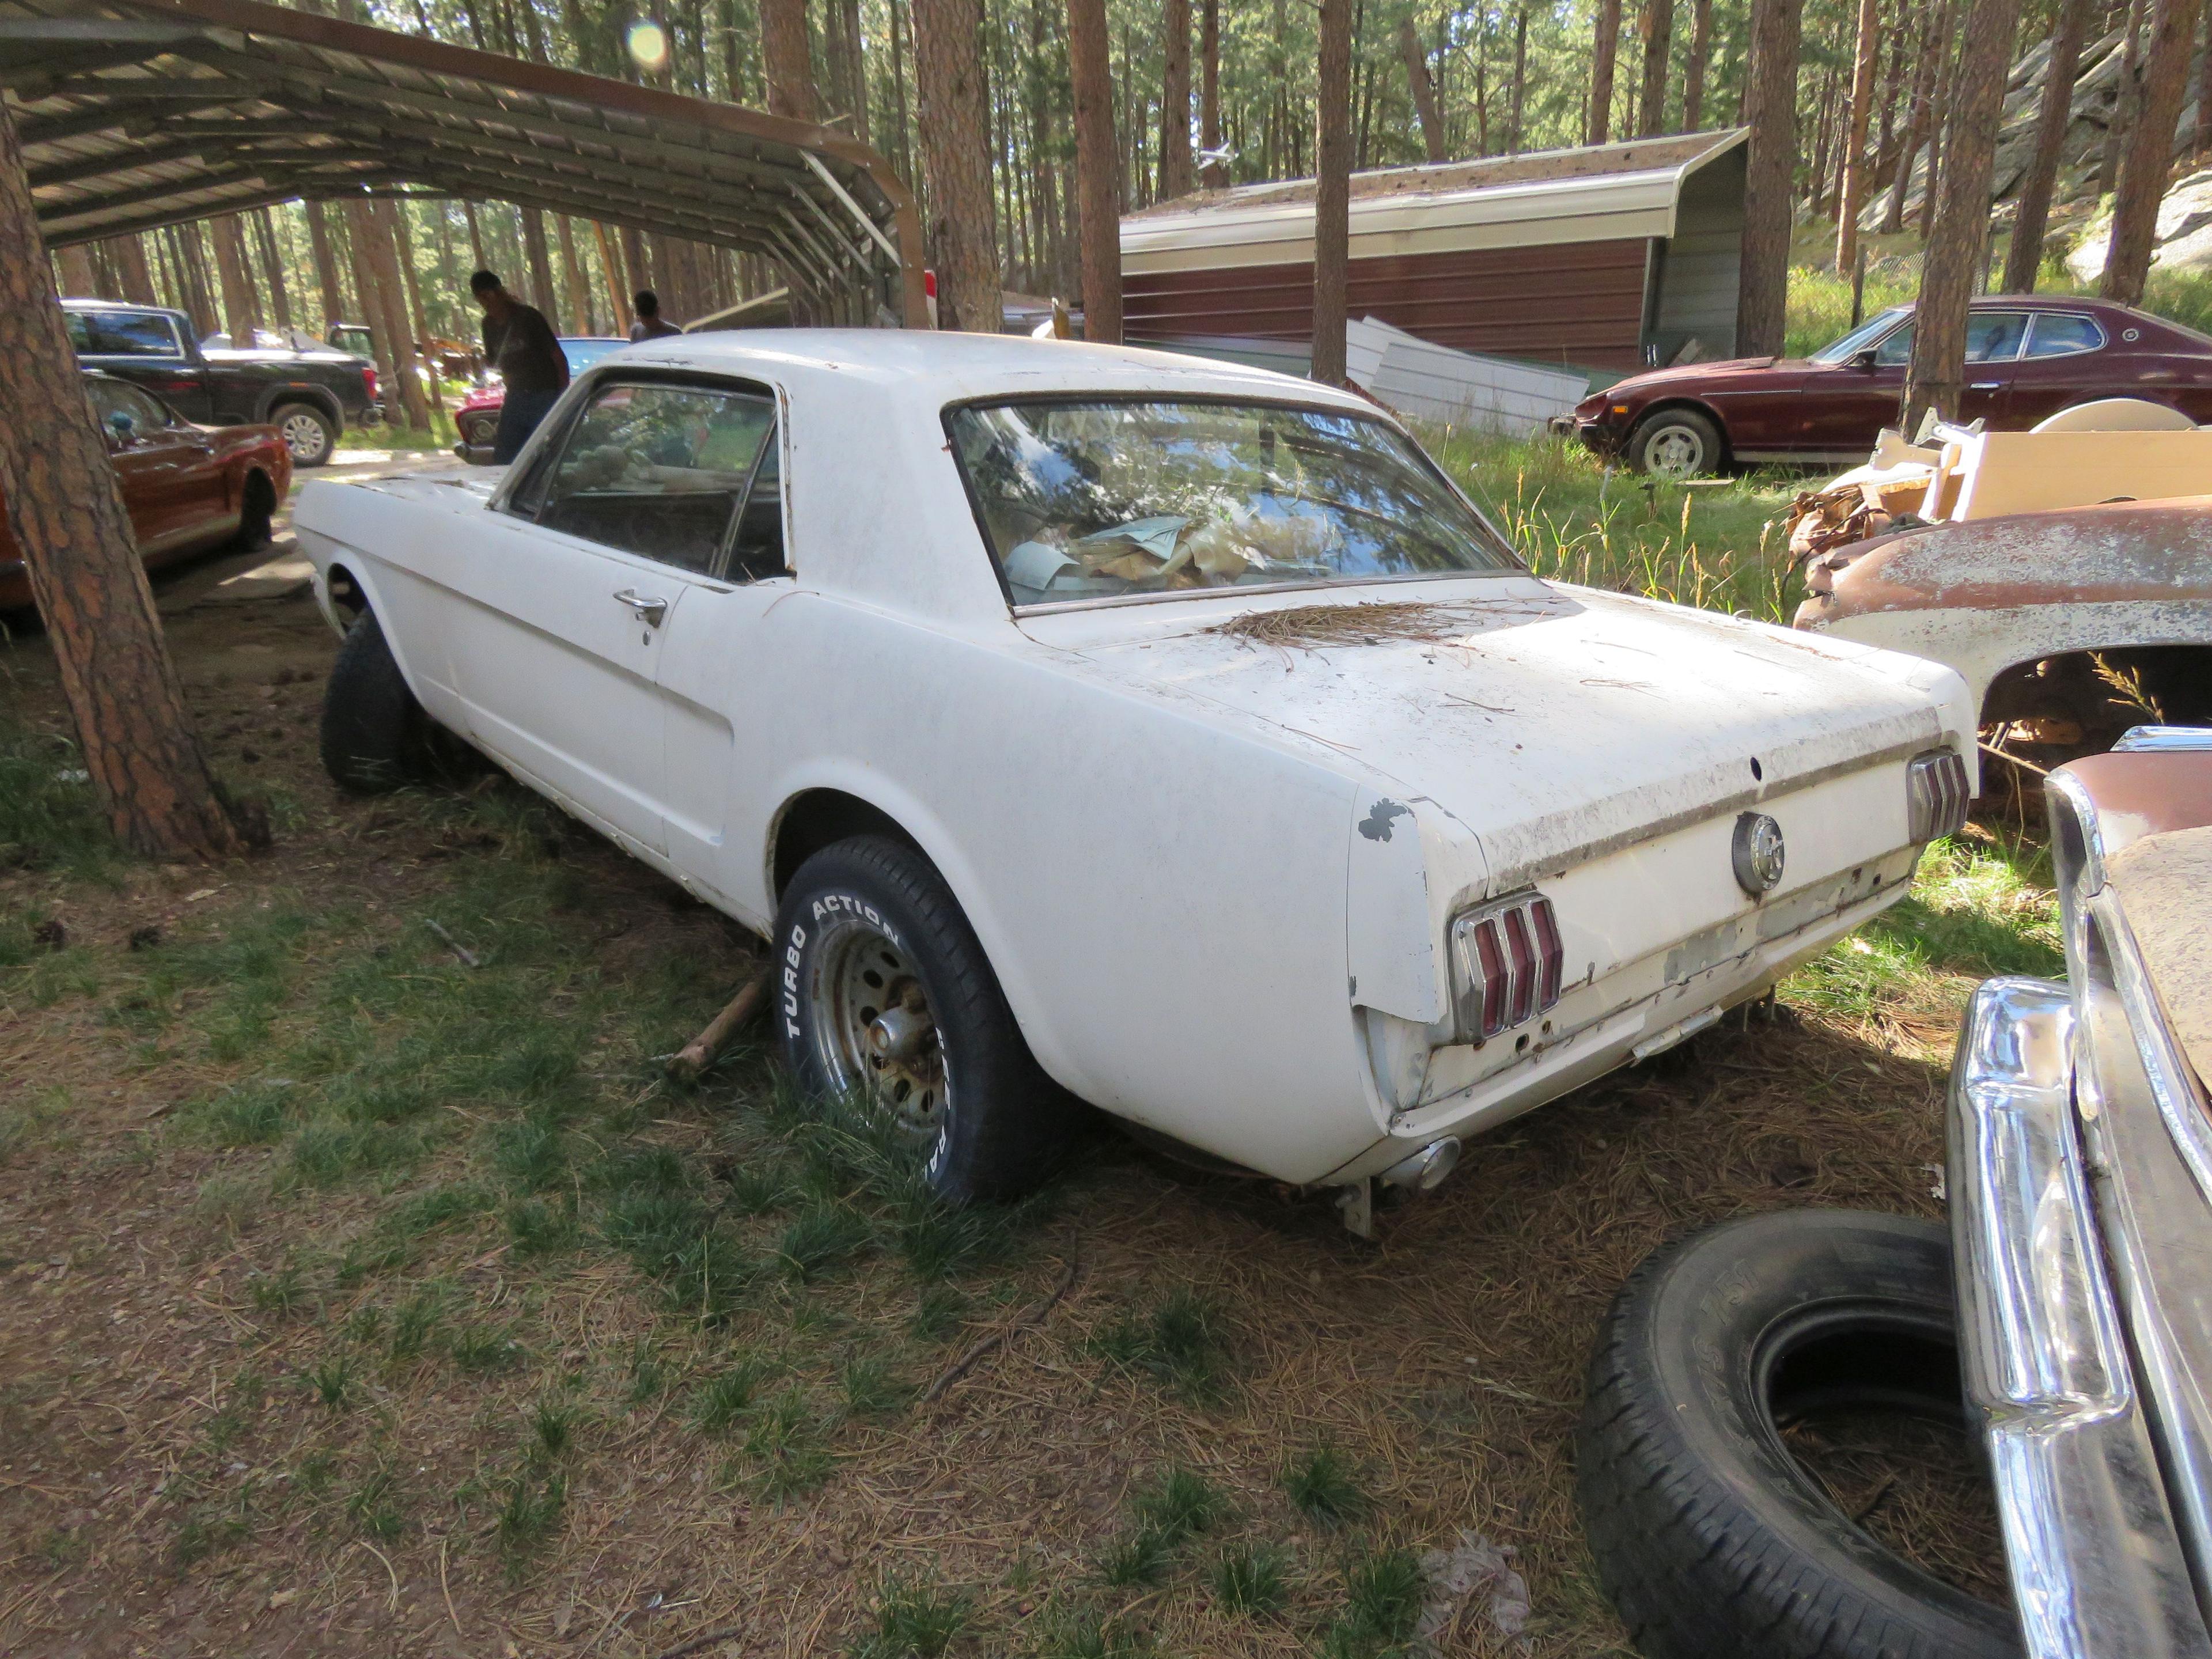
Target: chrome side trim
{"x":2097,"y":1567}
{"x":2173,"y":739}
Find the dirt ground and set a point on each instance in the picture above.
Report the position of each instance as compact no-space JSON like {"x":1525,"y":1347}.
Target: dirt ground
{"x":215,"y":1440}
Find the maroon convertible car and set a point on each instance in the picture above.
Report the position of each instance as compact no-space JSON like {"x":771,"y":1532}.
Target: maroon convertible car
{"x":2026,"y":357}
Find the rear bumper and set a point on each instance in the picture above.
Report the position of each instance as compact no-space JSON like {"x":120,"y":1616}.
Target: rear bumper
{"x":2096,"y":1561}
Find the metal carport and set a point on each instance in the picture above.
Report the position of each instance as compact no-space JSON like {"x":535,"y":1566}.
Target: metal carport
{"x":135,"y":114}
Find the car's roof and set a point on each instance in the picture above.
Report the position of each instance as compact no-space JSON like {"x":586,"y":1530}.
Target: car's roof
{"x":971,"y":364}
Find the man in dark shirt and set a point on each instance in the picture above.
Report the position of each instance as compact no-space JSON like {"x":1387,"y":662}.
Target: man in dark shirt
{"x":650,"y":324}
{"x":519,"y":344}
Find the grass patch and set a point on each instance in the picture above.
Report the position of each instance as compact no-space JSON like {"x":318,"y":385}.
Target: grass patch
{"x":1182,"y":1343}
{"x":1321,"y":1484}
{"x":717,"y":1404}
{"x":531,"y":1503}
{"x":1252,"y":1581}
{"x":788,"y":1446}
{"x":50,"y":816}
{"x":914,"y":1621}
{"x":1382,"y":1605}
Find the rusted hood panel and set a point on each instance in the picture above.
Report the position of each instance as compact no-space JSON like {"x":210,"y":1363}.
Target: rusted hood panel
{"x":2119,"y":553}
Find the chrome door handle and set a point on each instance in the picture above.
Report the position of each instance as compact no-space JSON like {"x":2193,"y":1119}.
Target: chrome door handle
{"x":649,"y":612}
{"x":1985,"y":386}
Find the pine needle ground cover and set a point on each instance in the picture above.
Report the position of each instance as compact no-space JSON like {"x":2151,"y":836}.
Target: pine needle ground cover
{"x":357,"y":1300}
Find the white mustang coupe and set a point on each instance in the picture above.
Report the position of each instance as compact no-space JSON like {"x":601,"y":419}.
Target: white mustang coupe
{"x":1095,"y":724}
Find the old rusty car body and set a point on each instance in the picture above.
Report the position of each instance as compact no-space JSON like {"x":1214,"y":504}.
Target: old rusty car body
{"x":2068,"y":627}
{"x":1086,"y":722}
{"x":2027,"y":358}
{"x":188,"y":489}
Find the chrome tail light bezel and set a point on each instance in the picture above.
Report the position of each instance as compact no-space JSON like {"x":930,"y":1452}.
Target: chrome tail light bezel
{"x":1507,"y":962}
{"x":1936,"y":795}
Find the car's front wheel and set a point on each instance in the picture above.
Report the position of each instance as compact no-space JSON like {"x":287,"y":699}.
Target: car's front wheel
{"x":1676,"y":443}
{"x":306,"y":432}
{"x":885,"y":999}
{"x":376,"y":736}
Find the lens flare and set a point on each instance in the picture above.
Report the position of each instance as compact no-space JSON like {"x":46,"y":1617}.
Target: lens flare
{"x":648,"y":45}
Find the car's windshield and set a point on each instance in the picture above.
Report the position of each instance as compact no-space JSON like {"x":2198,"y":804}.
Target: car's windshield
{"x":1096,"y":499}
{"x":1860,"y":337}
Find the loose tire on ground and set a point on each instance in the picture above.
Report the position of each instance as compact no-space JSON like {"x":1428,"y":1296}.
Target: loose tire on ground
{"x":376,"y":736}
{"x":308,"y":432}
{"x":1710,"y":1537}
{"x":883,"y":995}
{"x":1676,"y":443}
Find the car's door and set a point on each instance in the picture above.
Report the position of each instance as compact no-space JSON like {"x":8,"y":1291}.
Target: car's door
{"x":562,"y":606}
{"x":143,"y":347}
{"x":1847,"y":404}
{"x":152,"y":459}
{"x":1993,"y":343}
{"x":2065,"y":363}
{"x":715,"y":704}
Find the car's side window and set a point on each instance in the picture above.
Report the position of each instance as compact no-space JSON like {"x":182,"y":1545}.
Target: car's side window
{"x":659,"y":469}
{"x":1995,"y":335}
{"x":1896,"y":350}
{"x":756,"y":548}
{"x":128,"y":334}
{"x":113,"y":397}
{"x":2064,"y":334}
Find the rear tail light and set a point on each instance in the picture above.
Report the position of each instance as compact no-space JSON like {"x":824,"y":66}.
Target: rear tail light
{"x":369,"y":383}
{"x":1506,"y":961}
{"x":1935,"y":794}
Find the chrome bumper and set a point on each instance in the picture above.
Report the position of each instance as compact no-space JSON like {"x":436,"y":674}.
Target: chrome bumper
{"x":2096,"y":1564}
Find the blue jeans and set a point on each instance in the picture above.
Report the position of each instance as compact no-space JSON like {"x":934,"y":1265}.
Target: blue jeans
{"x":519,"y":416}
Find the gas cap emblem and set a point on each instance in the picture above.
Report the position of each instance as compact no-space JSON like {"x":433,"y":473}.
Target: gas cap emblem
{"x":1758,"y":853}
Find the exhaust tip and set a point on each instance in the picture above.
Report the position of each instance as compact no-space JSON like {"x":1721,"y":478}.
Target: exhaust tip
{"x":1425,"y":1171}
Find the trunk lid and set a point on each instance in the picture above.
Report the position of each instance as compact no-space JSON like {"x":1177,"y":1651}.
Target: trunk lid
{"x":1554,"y":723}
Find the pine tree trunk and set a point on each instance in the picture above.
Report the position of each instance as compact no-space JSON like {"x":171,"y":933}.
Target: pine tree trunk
{"x":138,"y":279}
{"x":77,"y":281}
{"x":539,"y":281}
{"x":1519,"y":100}
{"x":1693,"y":70}
{"x":902,"y":138}
{"x":240,"y":307}
{"x":1174,"y":100}
{"x":2124,"y":100}
{"x":617,"y":289}
{"x":1605,"y":49}
{"x":1655,"y":29}
{"x":789,"y":61}
{"x":1933,"y":21}
{"x":2024,"y":259}
{"x":1214,"y":175}
{"x":1866,"y":58}
{"x":326,"y":270}
{"x":418,"y":331}
{"x":856,"y":66}
{"x":2204,"y":139}
{"x":67,"y":515}
{"x":272,"y":269}
{"x":1423,"y":88}
{"x":1770,"y":110}
{"x":1332,"y":190}
{"x":2149,"y":153}
{"x":950,"y":93}
{"x":576,"y":286}
{"x":1098,"y":206}
{"x":1951,"y":268}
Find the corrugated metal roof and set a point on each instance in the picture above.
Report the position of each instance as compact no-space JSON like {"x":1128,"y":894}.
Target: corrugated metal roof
{"x":1595,"y":192}
{"x":139,"y":114}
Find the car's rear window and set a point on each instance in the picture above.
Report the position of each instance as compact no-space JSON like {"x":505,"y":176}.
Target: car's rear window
{"x":1087,"y":500}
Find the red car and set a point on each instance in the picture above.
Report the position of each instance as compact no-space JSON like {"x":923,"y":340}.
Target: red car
{"x":477,"y":418}
{"x":2026,"y":357}
{"x":187,"y":487}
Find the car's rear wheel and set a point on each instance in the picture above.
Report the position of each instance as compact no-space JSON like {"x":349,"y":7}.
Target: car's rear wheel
{"x":306,"y":432}
{"x":1676,"y":443}
{"x":885,"y":1000}
{"x":1726,"y":1512}
{"x":375,"y":737}
{"x":257,"y":511}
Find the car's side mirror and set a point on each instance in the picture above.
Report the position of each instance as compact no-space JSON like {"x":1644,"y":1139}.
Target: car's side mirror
{"x":120,"y":423}
{"x":1865,"y":359}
